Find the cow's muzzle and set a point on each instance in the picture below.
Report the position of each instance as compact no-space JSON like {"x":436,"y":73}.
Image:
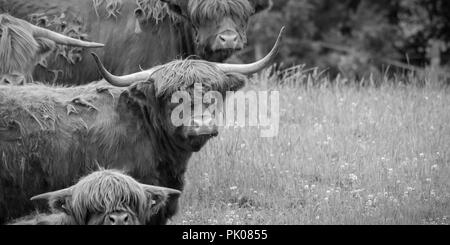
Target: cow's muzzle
{"x":203,"y":127}
{"x":228,"y":40}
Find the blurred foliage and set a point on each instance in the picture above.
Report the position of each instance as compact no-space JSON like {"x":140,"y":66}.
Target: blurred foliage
{"x":356,"y":37}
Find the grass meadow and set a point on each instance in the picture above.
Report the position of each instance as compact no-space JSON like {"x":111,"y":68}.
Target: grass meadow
{"x":345,"y":154}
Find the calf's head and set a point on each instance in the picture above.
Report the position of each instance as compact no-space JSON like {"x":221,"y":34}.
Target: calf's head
{"x":108,"y":197}
{"x":154,"y":95}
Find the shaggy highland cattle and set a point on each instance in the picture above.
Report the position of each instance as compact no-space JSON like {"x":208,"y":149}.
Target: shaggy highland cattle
{"x":136,"y":33}
{"x":50,"y":136}
{"x":23,"y":46}
{"x":106,"y":197}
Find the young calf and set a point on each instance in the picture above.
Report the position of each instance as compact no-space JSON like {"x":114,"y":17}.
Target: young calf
{"x":106,"y":197}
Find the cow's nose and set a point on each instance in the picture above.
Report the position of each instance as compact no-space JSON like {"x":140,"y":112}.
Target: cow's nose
{"x":119,"y":219}
{"x":228,"y":40}
{"x":205,"y":127}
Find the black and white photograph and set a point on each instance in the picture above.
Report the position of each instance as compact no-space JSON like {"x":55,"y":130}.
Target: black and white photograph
{"x":252,"y":113}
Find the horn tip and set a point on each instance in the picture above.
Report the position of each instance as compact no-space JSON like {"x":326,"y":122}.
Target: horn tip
{"x":174,"y":193}
{"x":35,"y":198}
{"x":281,"y":34}
{"x":98,"y":45}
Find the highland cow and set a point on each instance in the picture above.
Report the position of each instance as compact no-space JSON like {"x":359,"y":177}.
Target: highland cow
{"x":106,"y":197}
{"x":50,"y":136}
{"x":23,"y":46}
{"x":137,"y":33}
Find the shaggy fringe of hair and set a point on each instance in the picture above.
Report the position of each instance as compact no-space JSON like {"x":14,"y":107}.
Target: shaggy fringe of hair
{"x":181,"y":75}
{"x":214,"y":10}
{"x":16,"y":44}
{"x":105,"y":192}
{"x":153,"y":9}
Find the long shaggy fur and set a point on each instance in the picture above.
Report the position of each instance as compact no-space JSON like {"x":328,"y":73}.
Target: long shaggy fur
{"x":54,"y":135}
{"x":181,"y":75}
{"x":71,"y":27}
{"x":201,"y":11}
{"x":94,"y":197}
{"x":18,"y":47}
{"x":106,"y":192}
{"x":154,"y":10}
{"x":131,"y":43}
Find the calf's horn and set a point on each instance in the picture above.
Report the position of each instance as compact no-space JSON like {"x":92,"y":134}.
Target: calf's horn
{"x":168,"y":191}
{"x":58,"y":193}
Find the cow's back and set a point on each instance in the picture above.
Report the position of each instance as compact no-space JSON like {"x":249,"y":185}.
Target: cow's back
{"x":129,"y":45}
{"x":43,"y":144}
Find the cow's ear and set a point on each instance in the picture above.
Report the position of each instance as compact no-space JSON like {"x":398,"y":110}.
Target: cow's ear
{"x":61,"y":204}
{"x":57,"y":200}
{"x":142,"y":94}
{"x":158,"y":197}
{"x":45,"y":45}
{"x":235,"y":81}
{"x":179,"y":7}
{"x":261,"y":5}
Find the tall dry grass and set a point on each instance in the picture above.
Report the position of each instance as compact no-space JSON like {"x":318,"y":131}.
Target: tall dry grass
{"x":345,"y":154}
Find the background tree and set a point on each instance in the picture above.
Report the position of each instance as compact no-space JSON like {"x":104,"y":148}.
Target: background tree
{"x":356,"y":37}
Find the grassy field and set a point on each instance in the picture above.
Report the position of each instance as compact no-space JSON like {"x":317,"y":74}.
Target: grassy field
{"x":344,"y":155}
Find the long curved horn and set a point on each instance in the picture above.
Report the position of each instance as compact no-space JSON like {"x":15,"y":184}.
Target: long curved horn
{"x":122,"y":81}
{"x":48,"y":195}
{"x":248,"y":69}
{"x":62,"y":39}
{"x":167,"y":191}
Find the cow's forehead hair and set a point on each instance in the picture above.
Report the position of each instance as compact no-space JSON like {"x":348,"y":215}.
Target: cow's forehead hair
{"x":105,"y":192}
{"x":182,"y":75}
{"x":201,"y":11}
{"x":16,"y":45}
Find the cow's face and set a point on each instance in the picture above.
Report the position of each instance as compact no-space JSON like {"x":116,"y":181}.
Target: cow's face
{"x":108,"y":197}
{"x":160,"y":103}
{"x":219,"y":26}
{"x":172,"y":101}
{"x":198,"y":129}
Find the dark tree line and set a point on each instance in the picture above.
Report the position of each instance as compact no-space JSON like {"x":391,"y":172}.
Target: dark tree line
{"x":357,"y":37}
